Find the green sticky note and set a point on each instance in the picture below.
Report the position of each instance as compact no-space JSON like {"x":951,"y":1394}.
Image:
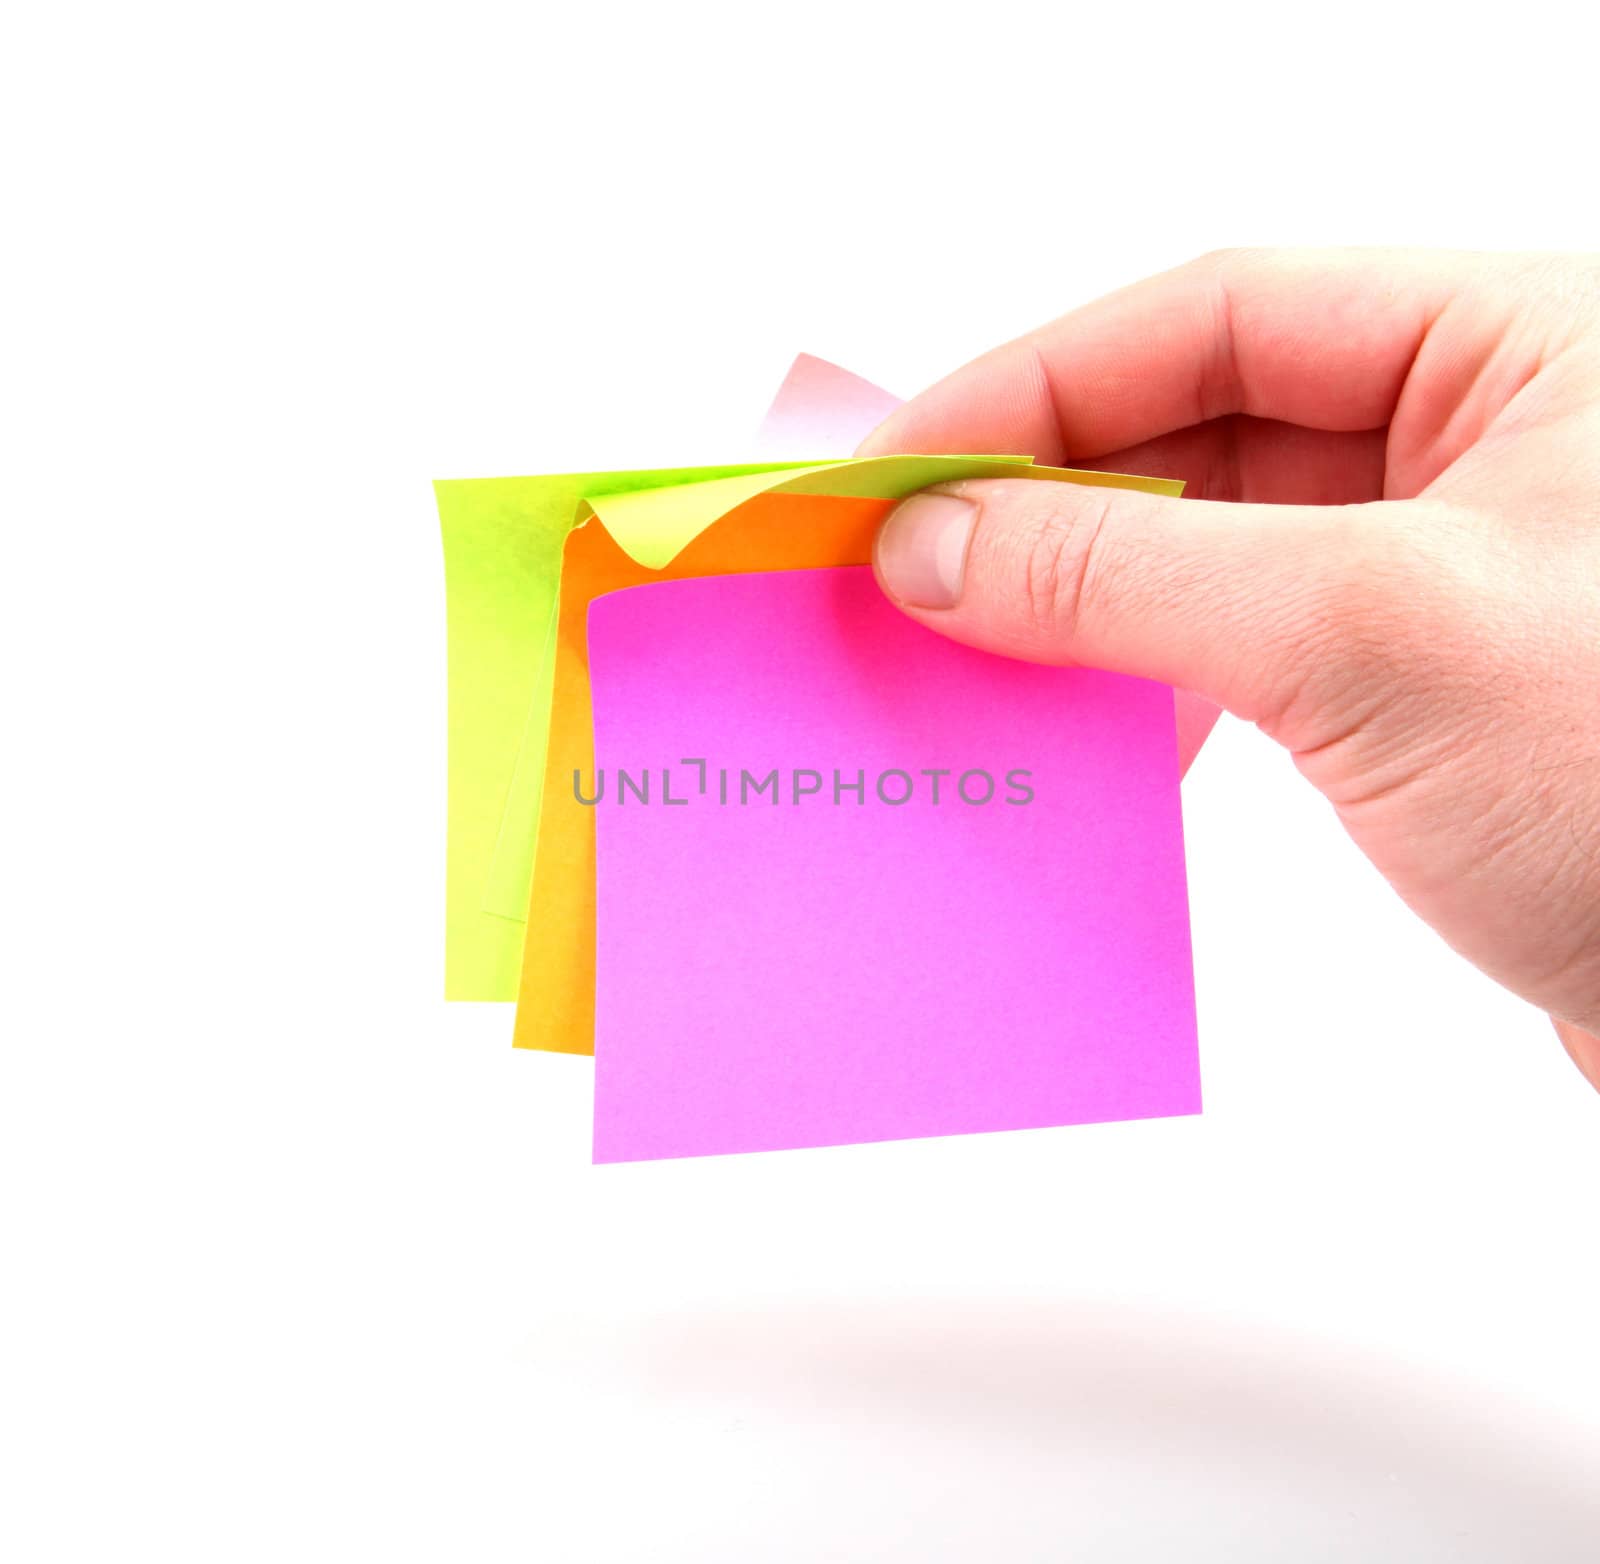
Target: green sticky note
{"x":503,"y":539}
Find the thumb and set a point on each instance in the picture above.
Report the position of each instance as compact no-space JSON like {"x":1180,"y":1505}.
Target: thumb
{"x":1253,"y":606}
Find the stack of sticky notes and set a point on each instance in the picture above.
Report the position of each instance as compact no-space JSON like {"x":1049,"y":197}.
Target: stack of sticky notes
{"x":795,"y":870}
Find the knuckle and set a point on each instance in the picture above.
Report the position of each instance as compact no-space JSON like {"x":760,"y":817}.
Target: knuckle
{"x":1232,"y":260}
{"x":1060,"y":551}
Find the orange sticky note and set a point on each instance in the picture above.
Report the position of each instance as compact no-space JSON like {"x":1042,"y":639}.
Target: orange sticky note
{"x":555,"y":1003}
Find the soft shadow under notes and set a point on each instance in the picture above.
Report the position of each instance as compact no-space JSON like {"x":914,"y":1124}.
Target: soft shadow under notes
{"x":1371,"y":1444}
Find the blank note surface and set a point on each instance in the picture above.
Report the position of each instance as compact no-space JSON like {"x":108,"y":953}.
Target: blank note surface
{"x":858,"y":883}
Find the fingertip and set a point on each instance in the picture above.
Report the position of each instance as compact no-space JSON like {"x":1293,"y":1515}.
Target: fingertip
{"x":920,"y":553}
{"x":883,"y":441}
{"x":1583,"y":1048}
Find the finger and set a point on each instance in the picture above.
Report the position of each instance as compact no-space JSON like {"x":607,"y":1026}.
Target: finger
{"x":1194,"y":717}
{"x":1243,"y":604}
{"x":1260,"y":461}
{"x":1322,"y":338}
{"x":1583,"y":1048}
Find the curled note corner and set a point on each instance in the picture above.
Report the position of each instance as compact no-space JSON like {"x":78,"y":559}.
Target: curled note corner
{"x":653,"y":525}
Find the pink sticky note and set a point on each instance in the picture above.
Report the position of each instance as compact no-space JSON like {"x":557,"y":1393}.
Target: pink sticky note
{"x":810,"y":964}
{"x":821,"y":411}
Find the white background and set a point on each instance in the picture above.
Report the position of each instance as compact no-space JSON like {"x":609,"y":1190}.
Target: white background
{"x":299,"y":1262}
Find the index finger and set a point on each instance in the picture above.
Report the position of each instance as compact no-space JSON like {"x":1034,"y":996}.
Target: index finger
{"x":1319,"y":338}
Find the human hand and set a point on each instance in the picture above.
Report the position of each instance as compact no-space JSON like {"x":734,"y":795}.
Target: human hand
{"x":1391,"y":563}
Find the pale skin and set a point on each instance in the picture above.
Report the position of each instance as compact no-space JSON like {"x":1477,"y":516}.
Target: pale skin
{"x":1387,"y":556}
